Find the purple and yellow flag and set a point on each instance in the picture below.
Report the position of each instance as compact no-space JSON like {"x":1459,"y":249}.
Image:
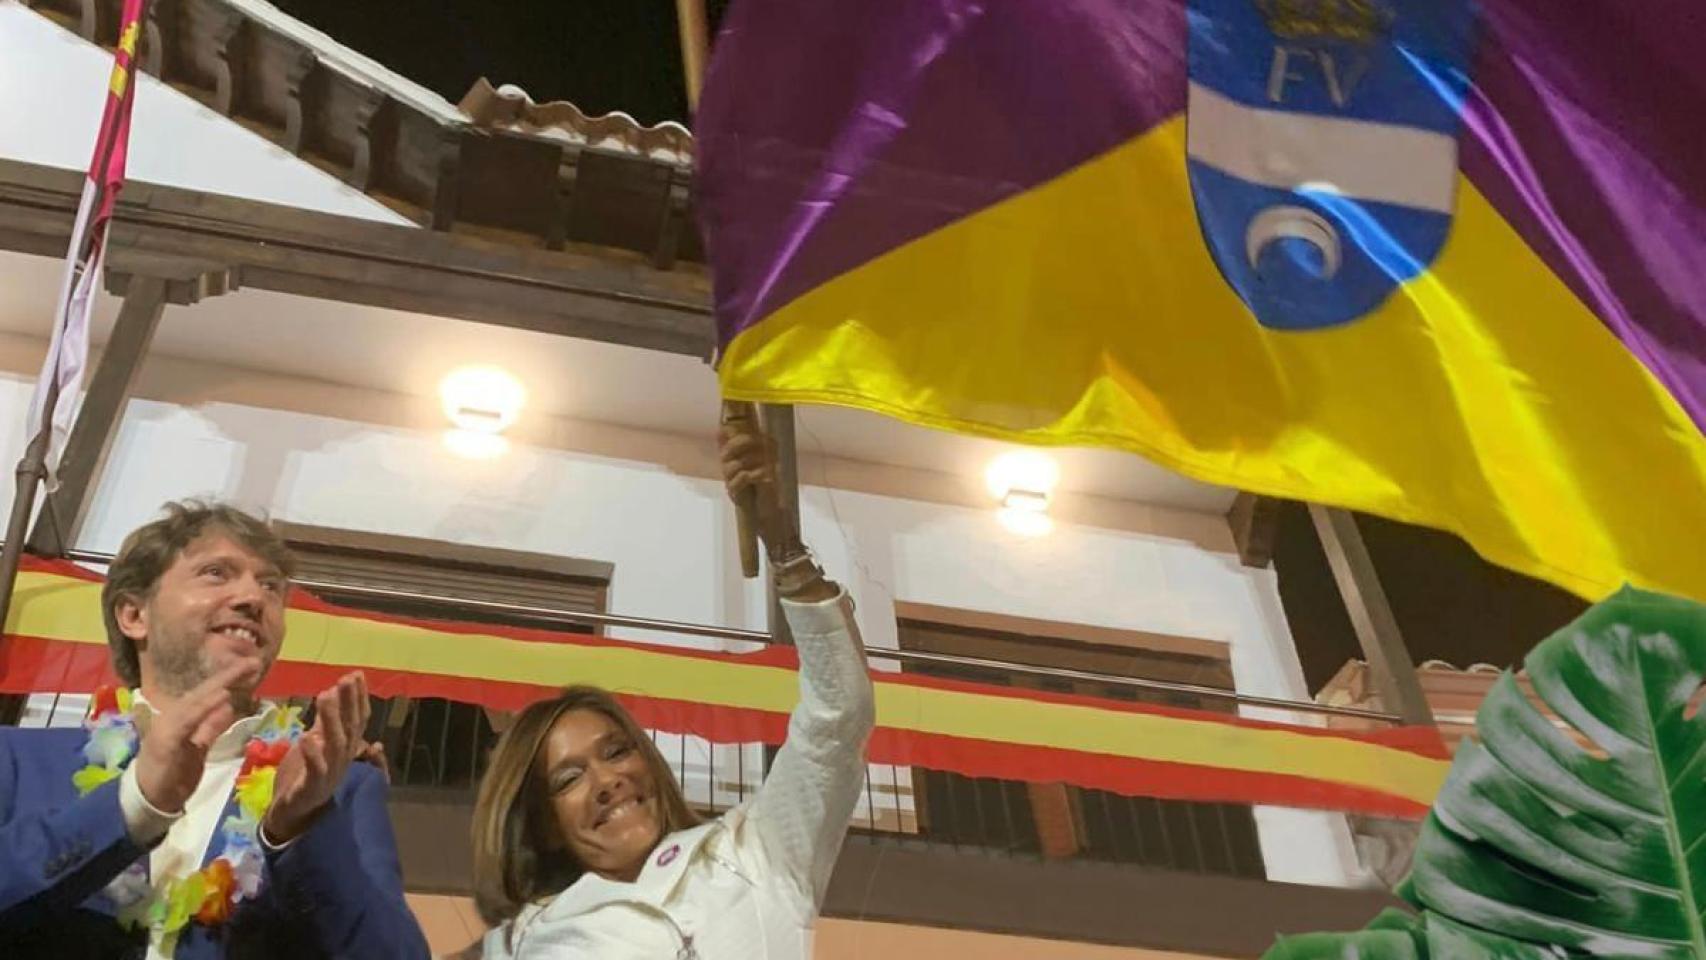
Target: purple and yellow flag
{"x":1438,"y":260}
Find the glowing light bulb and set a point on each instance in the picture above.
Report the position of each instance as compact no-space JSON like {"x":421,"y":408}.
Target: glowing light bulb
{"x":1022,"y":481}
{"x":1028,"y":470}
{"x":481,"y":399}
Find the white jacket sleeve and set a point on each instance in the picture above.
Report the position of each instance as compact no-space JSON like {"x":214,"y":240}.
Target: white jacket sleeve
{"x":800,"y":813}
{"x":495,"y":945}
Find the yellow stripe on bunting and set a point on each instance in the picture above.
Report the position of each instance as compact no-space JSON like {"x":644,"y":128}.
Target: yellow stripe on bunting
{"x":917,"y":717}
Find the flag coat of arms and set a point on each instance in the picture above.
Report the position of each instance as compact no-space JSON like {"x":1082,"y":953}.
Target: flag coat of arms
{"x":1432,"y":259}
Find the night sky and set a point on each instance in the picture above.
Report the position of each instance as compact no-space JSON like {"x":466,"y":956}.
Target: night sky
{"x":602,"y":55}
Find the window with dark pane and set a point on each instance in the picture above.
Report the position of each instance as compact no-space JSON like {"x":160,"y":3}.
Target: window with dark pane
{"x":437,"y":749}
{"x":1057,"y":821}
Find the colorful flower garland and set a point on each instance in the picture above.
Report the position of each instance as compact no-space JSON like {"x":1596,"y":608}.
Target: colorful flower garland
{"x":208,"y":895}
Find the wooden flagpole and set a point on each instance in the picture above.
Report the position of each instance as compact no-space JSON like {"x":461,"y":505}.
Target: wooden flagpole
{"x":694,"y":29}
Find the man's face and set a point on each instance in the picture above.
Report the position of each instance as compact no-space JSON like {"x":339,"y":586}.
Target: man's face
{"x":218,"y":603}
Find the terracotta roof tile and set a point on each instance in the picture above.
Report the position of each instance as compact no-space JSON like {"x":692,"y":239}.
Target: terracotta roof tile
{"x":510,"y":108}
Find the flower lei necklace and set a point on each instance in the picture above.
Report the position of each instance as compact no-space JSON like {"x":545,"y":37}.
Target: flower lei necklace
{"x":208,"y":895}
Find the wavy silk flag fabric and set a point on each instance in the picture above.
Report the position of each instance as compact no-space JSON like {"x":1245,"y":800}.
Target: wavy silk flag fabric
{"x":1432,"y":259}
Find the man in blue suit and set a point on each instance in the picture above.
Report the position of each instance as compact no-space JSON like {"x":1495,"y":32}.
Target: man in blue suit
{"x":194,"y":609}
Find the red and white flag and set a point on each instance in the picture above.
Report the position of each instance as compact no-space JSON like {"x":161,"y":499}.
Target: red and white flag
{"x":68,"y":354}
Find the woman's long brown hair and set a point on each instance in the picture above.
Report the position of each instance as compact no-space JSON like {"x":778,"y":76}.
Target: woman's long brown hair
{"x":517,"y":860}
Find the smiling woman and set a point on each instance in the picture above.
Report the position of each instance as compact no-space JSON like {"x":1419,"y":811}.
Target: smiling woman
{"x":585,"y":847}
{"x":547,"y":813}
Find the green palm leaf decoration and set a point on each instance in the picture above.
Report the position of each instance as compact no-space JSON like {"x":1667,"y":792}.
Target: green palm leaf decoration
{"x":1539,"y":847}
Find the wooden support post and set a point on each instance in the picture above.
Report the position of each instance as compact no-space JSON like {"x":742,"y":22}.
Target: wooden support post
{"x":301,"y":93}
{"x":674,"y":220}
{"x":369,"y":157}
{"x":1389,"y":662}
{"x":1255,"y":524}
{"x":89,"y":20}
{"x":159,"y":35}
{"x":230,"y":56}
{"x":170,"y":231}
{"x":99,"y":416}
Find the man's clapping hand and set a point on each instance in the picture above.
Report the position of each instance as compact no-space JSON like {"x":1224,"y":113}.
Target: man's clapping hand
{"x":312,"y":770}
{"x":173,"y":751}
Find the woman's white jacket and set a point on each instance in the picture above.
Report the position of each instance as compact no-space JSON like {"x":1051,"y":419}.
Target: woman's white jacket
{"x":747,"y":885}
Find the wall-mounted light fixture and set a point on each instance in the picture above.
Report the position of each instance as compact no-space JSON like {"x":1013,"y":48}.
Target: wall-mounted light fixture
{"x":1022,"y":482}
{"x":481,"y":402}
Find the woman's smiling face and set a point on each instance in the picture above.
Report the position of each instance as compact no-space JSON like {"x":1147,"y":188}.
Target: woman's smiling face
{"x":602,"y":794}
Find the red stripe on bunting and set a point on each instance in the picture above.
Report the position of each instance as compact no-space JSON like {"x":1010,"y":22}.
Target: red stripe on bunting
{"x":1129,"y":775}
{"x":29,"y":664}
{"x":504,"y":695}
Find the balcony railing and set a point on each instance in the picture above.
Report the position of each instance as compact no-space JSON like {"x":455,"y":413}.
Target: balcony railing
{"x":439,"y":749}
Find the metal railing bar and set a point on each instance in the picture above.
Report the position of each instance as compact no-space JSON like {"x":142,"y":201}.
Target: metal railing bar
{"x":589,"y":618}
